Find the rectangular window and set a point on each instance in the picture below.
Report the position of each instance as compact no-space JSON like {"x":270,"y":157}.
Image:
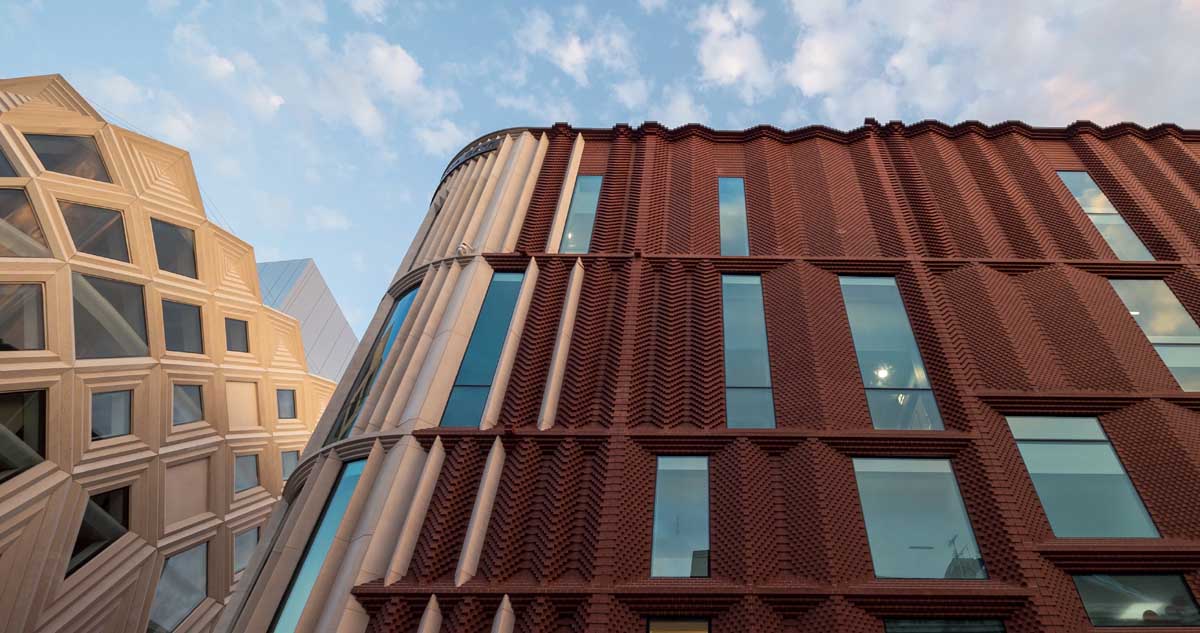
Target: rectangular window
{"x":917,"y":524}
{"x":22,"y":321}
{"x":1167,"y":324}
{"x":1112,"y":227}
{"x":673,"y":625}
{"x":474,"y":381}
{"x":182,"y":586}
{"x":285,"y":404}
{"x":243,"y":549}
{"x":245,"y":472}
{"x":187,"y":404}
{"x":361,"y":387}
{"x":735,"y":237}
{"x":749,"y":402}
{"x":111,"y":413}
{"x":581,"y":216}
{"x":1137,"y":600}
{"x":23,"y":235}
{"x":96,"y":230}
{"x":181,"y":327}
{"x":110,"y":318}
{"x":1079,"y":479}
{"x":289,"y":459}
{"x":175,"y":247}
{"x":237,"y":335}
{"x":301,"y":585}
{"x":73,"y":155}
{"x":943,"y":626}
{"x":680,"y":548}
{"x":22,"y":431}
{"x":898,"y":391}
{"x":105,"y":519}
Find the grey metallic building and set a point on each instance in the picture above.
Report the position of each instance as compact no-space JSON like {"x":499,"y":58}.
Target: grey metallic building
{"x":296,"y":287}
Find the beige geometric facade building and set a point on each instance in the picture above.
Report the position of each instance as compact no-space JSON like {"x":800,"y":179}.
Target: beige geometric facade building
{"x":151,"y":407}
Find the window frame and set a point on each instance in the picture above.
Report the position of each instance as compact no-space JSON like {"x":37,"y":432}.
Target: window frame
{"x":41,"y":302}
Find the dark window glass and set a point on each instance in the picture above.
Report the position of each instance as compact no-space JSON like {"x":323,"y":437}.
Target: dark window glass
{"x":898,"y":390}
{"x":96,"y":230}
{"x":110,"y":318}
{"x":680,"y":548}
{"x":285,"y":403}
{"x":22,"y":431}
{"x":181,"y":327}
{"x":6,"y":168}
{"x":748,"y":396}
{"x":319,"y":543}
{"x":22,"y":326}
{"x":111,"y":413}
{"x":1137,"y":600}
{"x":672,"y":625}
{"x":943,"y":626}
{"x":581,"y":216}
{"x":474,"y":381}
{"x":380,"y":348}
{"x":237,"y":335}
{"x":20,"y":233}
{"x":181,"y":588}
{"x":72,"y":155}
{"x":243,"y":549}
{"x":105,"y":519}
{"x":1167,"y":324}
{"x":187,"y":404}
{"x":1079,"y":479}
{"x":245,"y":472}
{"x":917,"y":524}
{"x":175,"y":247}
{"x":735,"y":237}
{"x":289,"y":459}
{"x":1121,"y":239}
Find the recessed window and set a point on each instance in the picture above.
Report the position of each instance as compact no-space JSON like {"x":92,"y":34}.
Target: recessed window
{"x":105,"y":520}
{"x":289,"y":460}
{"x":187,"y":404}
{"x":96,"y":230}
{"x":943,"y":626}
{"x":182,"y":586}
{"x":671,"y":625}
{"x":245,"y":472}
{"x":749,"y":400}
{"x":6,"y":168}
{"x":680,"y":548}
{"x":898,"y":391}
{"x":19,"y":226}
{"x":1164,"y":321}
{"x":243,"y":548}
{"x":1112,"y":227}
{"x":581,"y":216}
{"x":1079,"y":479}
{"x":1137,"y":600}
{"x":735,"y":237}
{"x":111,"y":413}
{"x":237,"y":335}
{"x":22,"y":326}
{"x":22,"y":431}
{"x":181,"y":327}
{"x":917,"y":524}
{"x":285,"y":403}
{"x":110,"y":318}
{"x":72,"y":155}
{"x":478,"y":368}
{"x":175,"y":247}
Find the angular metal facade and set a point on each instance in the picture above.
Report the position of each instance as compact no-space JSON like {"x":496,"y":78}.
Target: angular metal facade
{"x":296,"y":287}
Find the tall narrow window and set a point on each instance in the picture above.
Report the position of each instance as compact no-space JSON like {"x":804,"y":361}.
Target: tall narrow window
{"x":237,"y":335}
{"x":288,"y":461}
{"x":735,"y":238}
{"x":181,"y":327}
{"x":301,"y":585}
{"x":73,"y":155}
{"x":243,"y":548}
{"x":175,"y":247}
{"x":917,"y":524}
{"x":1167,"y":324}
{"x":675,"y":625}
{"x":96,"y":230}
{"x":6,"y":168}
{"x":245,"y":472}
{"x":285,"y":404}
{"x":1120,"y":238}
{"x":381,"y":347}
{"x":110,"y":318}
{"x":20,"y":233}
{"x":22,"y":431}
{"x":898,"y":391}
{"x":748,"y":397}
{"x":581,"y":217}
{"x":105,"y":520}
{"x":22,"y":323}
{"x":1079,"y":479}
{"x":474,"y":381}
{"x":187,"y":404}
{"x":111,"y":413}
{"x":680,"y":547}
{"x":1137,"y":600}
{"x":182,"y":586}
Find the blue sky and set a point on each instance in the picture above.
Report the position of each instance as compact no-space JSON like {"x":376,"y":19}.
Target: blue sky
{"x":319,"y":127}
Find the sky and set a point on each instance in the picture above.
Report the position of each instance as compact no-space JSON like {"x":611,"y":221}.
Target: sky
{"x":319,"y":128}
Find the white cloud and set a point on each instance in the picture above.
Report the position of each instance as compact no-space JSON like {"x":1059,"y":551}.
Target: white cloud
{"x":159,"y":7}
{"x":372,"y":10}
{"x":442,"y":137}
{"x":729,"y":53}
{"x":542,"y":109}
{"x":178,"y":127}
{"x":263,"y":102}
{"x":608,"y":42}
{"x":678,"y":107}
{"x":650,"y":6}
{"x":114,"y":90}
{"x":189,"y":41}
{"x":632,"y":93}
{"x":326,"y":219}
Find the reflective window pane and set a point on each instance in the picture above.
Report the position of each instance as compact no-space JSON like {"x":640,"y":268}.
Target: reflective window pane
{"x":243,"y":549}
{"x":105,"y":520}
{"x":285,"y":403}
{"x":474,"y":380}
{"x":1184,"y":363}
{"x":581,"y":216}
{"x":680,"y":548}
{"x":182,"y":586}
{"x":111,"y":413}
{"x":748,"y":402}
{"x":6,"y":168}
{"x":175,"y":247}
{"x":906,"y":409}
{"x":20,"y":233}
{"x":96,"y":230}
{"x":1167,"y":324}
{"x":735,"y":238}
{"x":237,"y":335}
{"x":464,"y":407}
{"x":917,"y":524}
{"x":110,"y":318}
{"x":181,"y":327}
{"x":319,"y":543}
{"x":187,"y":404}
{"x":22,"y":431}
{"x":1112,"y":227}
{"x":678,"y":626}
{"x":289,"y":460}
{"x":73,"y":155}
{"x":1137,"y":600}
{"x":22,"y":323}
{"x":245,"y":472}
{"x":943,"y":626}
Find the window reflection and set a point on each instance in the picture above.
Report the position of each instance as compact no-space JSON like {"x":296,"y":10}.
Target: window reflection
{"x":110,"y":318}
{"x":22,"y":323}
{"x":72,"y":155}
{"x":735,"y":238}
{"x":105,"y":519}
{"x":22,"y":431}
{"x":181,"y":327}
{"x":96,"y":230}
{"x":20,"y":233}
{"x":285,"y":403}
{"x":187,"y":404}
{"x":748,"y":396}
{"x":1112,"y":227}
{"x":581,"y":216}
{"x":237,"y":335}
{"x":1170,"y":328}
{"x":111,"y":413}
{"x":6,"y":168}
{"x":245,"y":472}
{"x":680,"y":548}
{"x":289,"y":460}
{"x":182,"y":586}
{"x":1137,"y":600}
{"x":243,"y":549}
{"x":175,"y":247}
{"x":465,"y":406}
